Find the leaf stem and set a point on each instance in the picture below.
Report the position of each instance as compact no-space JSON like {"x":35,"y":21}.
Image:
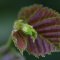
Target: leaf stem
{"x":5,"y":47}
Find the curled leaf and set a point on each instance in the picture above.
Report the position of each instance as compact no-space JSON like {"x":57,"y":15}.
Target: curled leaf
{"x":46,"y":26}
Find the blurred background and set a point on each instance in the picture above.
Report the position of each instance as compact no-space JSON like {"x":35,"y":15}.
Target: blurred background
{"x":8,"y":14}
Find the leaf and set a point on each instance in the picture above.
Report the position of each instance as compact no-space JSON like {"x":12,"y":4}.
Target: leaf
{"x":20,"y":41}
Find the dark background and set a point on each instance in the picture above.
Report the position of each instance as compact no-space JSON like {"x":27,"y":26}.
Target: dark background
{"x":8,"y":13}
